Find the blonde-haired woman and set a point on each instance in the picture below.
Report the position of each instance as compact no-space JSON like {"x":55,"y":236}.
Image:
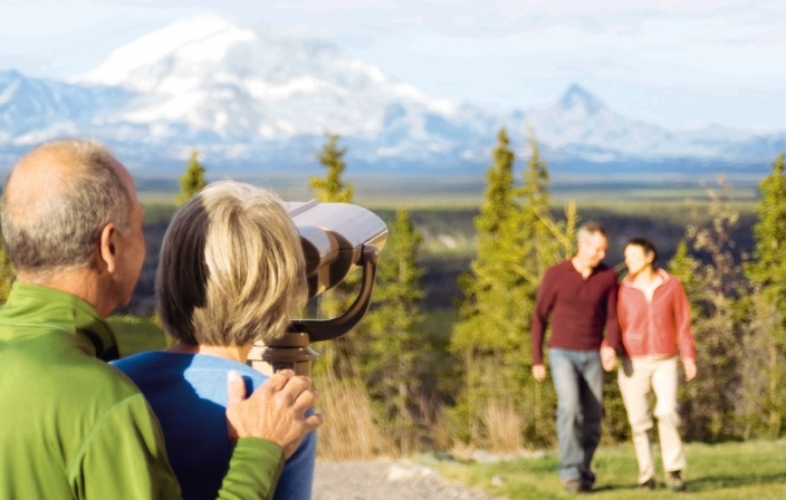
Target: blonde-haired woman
{"x":231,"y":273}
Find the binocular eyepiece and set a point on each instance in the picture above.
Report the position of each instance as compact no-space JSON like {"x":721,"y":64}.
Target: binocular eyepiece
{"x":336,"y":238}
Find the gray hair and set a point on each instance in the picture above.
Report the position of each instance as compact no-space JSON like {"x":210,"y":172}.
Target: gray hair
{"x":232,"y":269}
{"x":589,"y":228}
{"x":59,"y":231}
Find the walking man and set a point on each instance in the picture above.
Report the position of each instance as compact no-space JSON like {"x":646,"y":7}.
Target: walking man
{"x":579,"y":296}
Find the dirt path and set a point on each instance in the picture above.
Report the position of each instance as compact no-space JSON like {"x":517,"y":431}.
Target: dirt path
{"x":385,"y":480}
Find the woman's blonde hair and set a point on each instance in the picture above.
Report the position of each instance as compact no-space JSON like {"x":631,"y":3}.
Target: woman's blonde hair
{"x":231,"y":270}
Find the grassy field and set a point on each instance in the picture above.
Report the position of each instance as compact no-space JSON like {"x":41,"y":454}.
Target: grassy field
{"x":750,"y":471}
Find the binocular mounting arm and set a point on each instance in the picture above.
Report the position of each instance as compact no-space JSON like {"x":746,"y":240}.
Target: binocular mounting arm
{"x":329,"y":329}
{"x":292,"y":351}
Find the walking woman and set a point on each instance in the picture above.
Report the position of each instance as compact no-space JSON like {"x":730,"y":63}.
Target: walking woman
{"x":654,"y":317}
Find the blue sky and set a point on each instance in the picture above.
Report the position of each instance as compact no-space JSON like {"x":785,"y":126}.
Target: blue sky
{"x":680,"y":64}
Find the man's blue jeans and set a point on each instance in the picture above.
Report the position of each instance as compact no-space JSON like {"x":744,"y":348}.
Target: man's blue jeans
{"x":578,"y":380}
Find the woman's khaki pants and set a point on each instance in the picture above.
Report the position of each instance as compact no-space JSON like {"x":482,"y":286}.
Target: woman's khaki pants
{"x":639,"y":378}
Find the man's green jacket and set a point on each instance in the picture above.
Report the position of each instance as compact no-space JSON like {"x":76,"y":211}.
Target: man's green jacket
{"x":72,"y":426}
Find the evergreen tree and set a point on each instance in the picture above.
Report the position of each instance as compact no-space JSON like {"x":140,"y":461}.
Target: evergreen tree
{"x":487,"y":270}
{"x":517,"y":240}
{"x":499,"y":189}
{"x":496,"y":210}
{"x":332,"y":188}
{"x":341,"y":356}
{"x":394,"y":368}
{"x":541,"y":241}
{"x":768,"y":274}
{"x":478,"y":336}
{"x":768,"y":269}
{"x":192,"y":180}
{"x":535,"y":242}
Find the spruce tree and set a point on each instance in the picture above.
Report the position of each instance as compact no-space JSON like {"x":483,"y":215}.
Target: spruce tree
{"x":495,"y":211}
{"x":485,"y":310}
{"x":541,"y":240}
{"x":341,"y":356}
{"x":395,"y":364}
{"x":192,"y":180}
{"x":499,"y":189}
{"x":517,"y":239}
{"x":768,"y":269}
{"x":535,"y":242}
{"x":767,"y":272}
{"x":332,"y":187}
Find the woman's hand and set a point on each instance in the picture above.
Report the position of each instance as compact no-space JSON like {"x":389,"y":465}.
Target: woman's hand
{"x":690,"y":368}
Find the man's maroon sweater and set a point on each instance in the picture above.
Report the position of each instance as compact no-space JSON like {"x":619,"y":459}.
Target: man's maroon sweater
{"x":580,"y":310}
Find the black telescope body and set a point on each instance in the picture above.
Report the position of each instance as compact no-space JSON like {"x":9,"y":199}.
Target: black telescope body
{"x":336,"y":238}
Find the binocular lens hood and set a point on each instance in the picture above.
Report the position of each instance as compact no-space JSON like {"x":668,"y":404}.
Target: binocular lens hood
{"x":333,"y":237}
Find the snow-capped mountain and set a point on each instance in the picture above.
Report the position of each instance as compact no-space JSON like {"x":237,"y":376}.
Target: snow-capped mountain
{"x":212,"y":74}
{"x":29,"y":105}
{"x":580,"y":125}
{"x":243,"y":96}
{"x":581,"y":122}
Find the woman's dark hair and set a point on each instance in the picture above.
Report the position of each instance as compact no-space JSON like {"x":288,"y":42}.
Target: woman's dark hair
{"x":646,"y":245}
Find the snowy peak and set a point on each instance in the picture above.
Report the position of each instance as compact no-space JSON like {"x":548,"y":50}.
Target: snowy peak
{"x":207,"y":73}
{"x":29,"y":105}
{"x":146,"y":63}
{"x":578,"y":102}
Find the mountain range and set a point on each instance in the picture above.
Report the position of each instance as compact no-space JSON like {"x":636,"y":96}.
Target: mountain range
{"x":246,"y":100}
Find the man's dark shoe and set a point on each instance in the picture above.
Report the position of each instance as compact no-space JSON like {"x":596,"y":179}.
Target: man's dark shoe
{"x":649,"y":484}
{"x":578,"y":486}
{"x":674,"y":481}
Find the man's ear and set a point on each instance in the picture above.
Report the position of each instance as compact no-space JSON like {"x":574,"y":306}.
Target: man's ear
{"x":107,"y":248}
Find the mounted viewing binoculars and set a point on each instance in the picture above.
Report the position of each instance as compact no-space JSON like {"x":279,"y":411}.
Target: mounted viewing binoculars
{"x":336,"y":238}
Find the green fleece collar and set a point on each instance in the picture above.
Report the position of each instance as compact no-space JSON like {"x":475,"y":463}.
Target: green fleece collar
{"x":38,"y":305}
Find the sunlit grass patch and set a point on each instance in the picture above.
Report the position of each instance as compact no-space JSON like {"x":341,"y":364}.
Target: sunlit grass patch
{"x":751,"y":471}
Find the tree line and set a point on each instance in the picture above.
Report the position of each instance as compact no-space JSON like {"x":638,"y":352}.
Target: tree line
{"x":394,"y":386}
{"x":473,"y":386}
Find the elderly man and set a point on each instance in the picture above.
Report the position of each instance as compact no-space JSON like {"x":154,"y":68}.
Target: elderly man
{"x":580,"y":296}
{"x":72,"y":426}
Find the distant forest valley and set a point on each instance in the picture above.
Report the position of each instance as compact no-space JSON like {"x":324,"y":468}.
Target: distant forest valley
{"x":443,"y":209}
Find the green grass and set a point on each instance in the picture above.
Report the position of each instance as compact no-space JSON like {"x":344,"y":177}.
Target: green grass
{"x":750,"y":471}
{"x":136,"y":333}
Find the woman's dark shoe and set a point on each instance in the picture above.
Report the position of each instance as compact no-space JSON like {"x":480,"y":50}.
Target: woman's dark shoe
{"x":649,"y":484}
